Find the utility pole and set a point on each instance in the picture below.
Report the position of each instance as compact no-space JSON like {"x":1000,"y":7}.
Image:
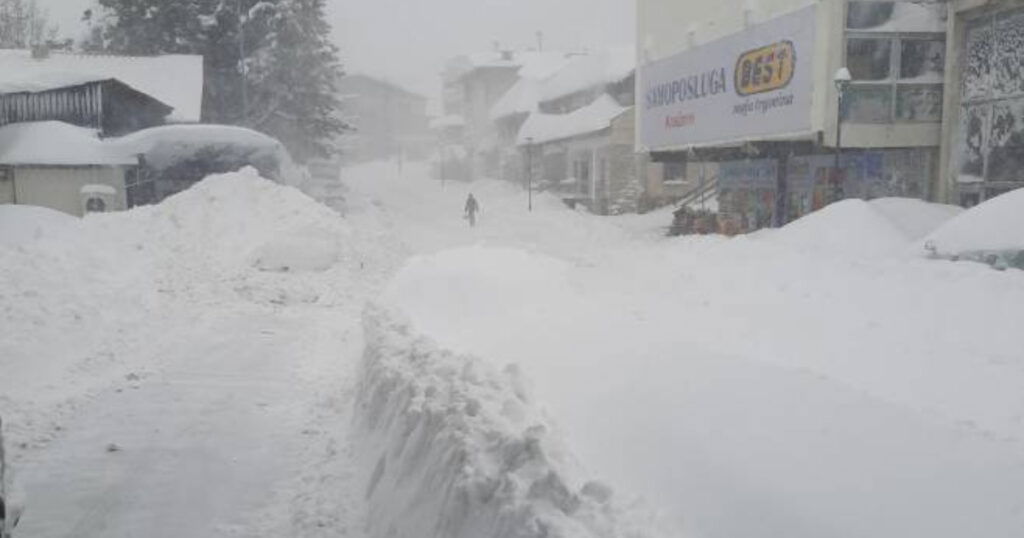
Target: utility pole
{"x":529,"y":173}
{"x":241,"y":62}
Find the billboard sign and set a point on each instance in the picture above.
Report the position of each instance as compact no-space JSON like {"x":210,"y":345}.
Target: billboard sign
{"x":744,"y":86}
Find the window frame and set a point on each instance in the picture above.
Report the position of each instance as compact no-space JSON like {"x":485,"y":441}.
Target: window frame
{"x":894,"y":82}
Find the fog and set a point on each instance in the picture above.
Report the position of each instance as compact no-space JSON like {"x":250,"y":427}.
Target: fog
{"x":408,"y":41}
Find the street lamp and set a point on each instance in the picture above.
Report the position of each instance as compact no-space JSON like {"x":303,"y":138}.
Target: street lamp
{"x":842,"y":80}
{"x":529,"y":173}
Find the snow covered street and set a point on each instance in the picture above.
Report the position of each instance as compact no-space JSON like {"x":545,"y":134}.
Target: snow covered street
{"x":200,"y":368}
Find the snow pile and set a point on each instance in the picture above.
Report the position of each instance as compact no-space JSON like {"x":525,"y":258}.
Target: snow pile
{"x":25,"y":224}
{"x":915,"y":218}
{"x":78,"y":298}
{"x":744,"y":387}
{"x":858,"y":228}
{"x":996,"y":224}
{"x":458,"y":450}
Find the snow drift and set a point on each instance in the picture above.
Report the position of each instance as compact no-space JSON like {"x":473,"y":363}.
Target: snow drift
{"x":995,"y":224}
{"x":458,"y":449}
{"x":83,"y":294}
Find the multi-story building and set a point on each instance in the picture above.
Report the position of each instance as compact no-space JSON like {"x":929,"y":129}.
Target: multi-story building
{"x":579,"y":140}
{"x":742,"y":95}
{"x":389,"y":121}
{"x":473,"y":84}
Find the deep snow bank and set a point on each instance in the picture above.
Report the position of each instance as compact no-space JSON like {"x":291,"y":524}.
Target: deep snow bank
{"x":859,"y":228}
{"x":996,"y":224}
{"x":84,"y":302}
{"x":458,"y":450}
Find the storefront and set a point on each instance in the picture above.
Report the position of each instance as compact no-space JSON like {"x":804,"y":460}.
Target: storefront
{"x":760,"y":109}
{"x":986,"y":131}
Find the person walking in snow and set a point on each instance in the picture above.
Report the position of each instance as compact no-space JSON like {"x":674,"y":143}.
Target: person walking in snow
{"x":472,"y":207}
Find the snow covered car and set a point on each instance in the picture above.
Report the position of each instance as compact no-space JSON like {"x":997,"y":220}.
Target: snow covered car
{"x":175,"y":157}
{"x":991,"y":233}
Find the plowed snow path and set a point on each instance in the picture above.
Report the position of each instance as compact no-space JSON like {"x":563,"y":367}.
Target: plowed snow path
{"x":216,"y":443}
{"x":237,"y":435}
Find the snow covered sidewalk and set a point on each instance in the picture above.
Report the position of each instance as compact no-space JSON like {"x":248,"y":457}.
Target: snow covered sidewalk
{"x":185,"y":369}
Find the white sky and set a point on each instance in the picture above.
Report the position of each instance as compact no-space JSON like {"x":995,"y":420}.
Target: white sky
{"x":407,"y":41}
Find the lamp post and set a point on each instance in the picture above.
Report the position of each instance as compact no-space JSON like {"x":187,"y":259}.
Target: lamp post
{"x":529,"y":173}
{"x":842,"y":80}
{"x":241,"y":61}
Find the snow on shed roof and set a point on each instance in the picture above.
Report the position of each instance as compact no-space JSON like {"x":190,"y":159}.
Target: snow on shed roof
{"x":597,"y":116}
{"x":588,"y":71}
{"x":175,"y":79}
{"x":56,"y":143}
{"x":164,"y":144}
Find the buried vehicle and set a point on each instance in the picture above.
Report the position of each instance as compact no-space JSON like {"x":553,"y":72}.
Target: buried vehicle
{"x":172,"y":158}
{"x":991,"y":233}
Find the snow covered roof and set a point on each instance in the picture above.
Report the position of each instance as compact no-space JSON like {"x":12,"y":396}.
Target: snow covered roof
{"x":57,"y":143}
{"x":176,"y":80}
{"x":524,"y":95}
{"x":521,"y":98}
{"x":589,"y":71}
{"x":592,"y":118}
{"x":530,"y":64}
{"x":41,"y":82}
{"x":164,"y":144}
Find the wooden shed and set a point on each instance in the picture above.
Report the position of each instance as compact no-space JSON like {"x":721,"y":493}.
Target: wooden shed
{"x":107,"y":105}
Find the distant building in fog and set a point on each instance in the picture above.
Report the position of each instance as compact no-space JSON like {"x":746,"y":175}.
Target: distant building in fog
{"x":390,"y":121}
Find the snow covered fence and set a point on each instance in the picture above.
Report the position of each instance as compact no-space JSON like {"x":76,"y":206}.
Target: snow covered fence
{"x":458,"y":450}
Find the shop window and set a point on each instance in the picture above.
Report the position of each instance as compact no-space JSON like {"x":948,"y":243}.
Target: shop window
{"x":867,"y":15}
{"x":895,"y":78}
{"x":978,"y":62}
{"x":1008,"y":69}
{"x":869,"y":59}
{"x":1006,"y":153}
{"x":675,"y":172}
{"x":990,"y":150}
{"x":902,"y":16}
{"x":868,"y":104}
{"x":922,"y":60}
{"x":919,"y":103}
{"x":974,"y":131}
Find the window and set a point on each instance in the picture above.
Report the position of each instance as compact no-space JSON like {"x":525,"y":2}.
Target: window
{"x":869,"y":59}
{"x":897,"y":62}
{"x":895,"y":78}
{"x":989,"y":157}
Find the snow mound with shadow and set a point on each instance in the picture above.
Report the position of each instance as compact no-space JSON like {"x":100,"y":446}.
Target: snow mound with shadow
{"x":996,"y":224}
{"x":861,"y":228}
{"x":455,"y":448}
{"x":25,"y":224}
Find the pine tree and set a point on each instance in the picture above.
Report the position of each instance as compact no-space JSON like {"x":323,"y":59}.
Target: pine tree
{"x":294,"y":72}
{"x":286,"y":84}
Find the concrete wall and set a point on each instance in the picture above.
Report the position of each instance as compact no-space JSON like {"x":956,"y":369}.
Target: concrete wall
{"x":60,"y":188}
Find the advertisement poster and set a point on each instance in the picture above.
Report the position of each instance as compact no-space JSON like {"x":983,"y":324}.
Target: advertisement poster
{"x":755,"y":83}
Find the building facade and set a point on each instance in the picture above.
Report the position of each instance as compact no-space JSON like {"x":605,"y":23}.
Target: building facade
{"x":746,"y":92}
{"x":389,"y":121}
{"x":983,"y":132}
